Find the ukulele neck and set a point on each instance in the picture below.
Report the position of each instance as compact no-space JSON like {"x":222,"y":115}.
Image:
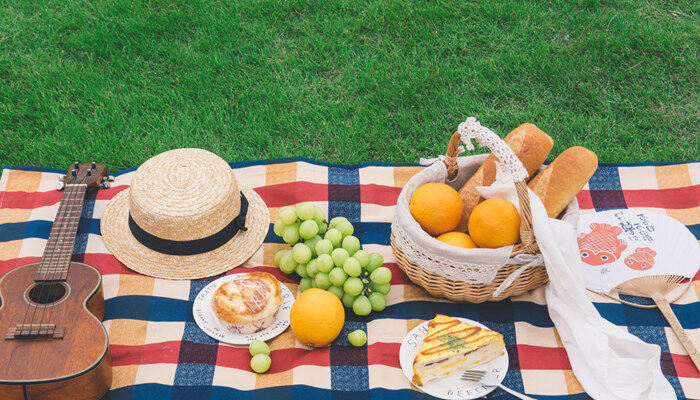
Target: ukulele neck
{"x":55,"y":261}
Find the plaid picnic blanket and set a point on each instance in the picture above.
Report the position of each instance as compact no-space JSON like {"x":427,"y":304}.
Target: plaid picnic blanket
{"x":158,"y":352}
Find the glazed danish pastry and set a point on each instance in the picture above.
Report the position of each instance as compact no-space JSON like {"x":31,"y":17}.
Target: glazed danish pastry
{"x":248,"y":303}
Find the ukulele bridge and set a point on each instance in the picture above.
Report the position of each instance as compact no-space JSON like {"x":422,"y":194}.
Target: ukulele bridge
{"x":35,"y":331}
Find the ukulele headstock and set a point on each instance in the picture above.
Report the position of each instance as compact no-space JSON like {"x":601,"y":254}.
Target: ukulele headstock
{"x":90,"y":174}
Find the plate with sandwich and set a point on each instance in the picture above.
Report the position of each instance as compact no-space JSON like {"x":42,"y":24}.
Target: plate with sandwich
{"x":435,"y":353}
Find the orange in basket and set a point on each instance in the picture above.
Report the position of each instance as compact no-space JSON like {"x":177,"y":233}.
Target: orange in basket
{"x":437,"y":207}
{"x":494,"y":223}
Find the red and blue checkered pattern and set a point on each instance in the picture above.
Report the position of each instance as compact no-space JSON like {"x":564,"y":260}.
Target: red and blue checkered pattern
{"x":158,"y":352}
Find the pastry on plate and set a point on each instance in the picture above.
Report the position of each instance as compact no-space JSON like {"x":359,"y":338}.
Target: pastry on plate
{"x":451,"y":345}
{"x":248,"y":303}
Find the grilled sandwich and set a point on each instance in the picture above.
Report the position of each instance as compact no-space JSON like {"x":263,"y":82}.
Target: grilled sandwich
{"x":451,"y":345}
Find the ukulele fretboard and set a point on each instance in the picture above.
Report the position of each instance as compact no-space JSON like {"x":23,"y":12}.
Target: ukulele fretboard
{"x":59,"y":246}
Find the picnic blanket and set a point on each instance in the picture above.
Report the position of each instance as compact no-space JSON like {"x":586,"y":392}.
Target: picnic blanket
{"x":158,"y":352}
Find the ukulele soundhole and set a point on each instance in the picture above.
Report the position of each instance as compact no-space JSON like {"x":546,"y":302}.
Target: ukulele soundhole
{"x":46,"y":292}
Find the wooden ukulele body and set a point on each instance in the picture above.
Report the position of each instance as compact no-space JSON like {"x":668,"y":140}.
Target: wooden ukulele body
{"x":73,"y":367}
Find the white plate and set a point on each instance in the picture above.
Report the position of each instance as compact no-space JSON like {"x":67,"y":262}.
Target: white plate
{"x":211,"y":325}
{"x":451,"y":386}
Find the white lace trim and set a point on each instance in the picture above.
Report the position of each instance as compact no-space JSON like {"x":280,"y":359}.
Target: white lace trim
{"x":509,"y":168}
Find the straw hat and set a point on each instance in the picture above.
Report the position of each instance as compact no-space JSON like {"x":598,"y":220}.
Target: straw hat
{"x":184,"y":217}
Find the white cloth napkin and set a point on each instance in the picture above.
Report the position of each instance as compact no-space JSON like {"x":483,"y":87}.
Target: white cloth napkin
{"x":610,"y":362}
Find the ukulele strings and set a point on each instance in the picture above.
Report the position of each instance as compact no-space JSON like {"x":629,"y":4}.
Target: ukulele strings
{"x":45,"y":269}
{"x":42,"y":264}
{"x":73,"y":206}
{"x":44,"y":272}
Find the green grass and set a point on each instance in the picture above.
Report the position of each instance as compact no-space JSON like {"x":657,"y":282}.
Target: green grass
{"x":119,"y":81}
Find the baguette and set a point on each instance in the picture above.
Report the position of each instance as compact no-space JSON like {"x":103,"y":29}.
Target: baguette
{"x":530,"y":145}
{"x":560,"y":181}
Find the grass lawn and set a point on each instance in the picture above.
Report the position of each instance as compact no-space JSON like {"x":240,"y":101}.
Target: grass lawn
{"x":119,"y":81}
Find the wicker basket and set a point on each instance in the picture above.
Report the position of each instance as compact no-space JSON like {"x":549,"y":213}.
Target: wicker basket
{"x":440,"y":286}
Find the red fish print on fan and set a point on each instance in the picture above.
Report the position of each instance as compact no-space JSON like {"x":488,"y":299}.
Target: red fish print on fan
{"x":601,"y":245}
{"x":642,"y":259}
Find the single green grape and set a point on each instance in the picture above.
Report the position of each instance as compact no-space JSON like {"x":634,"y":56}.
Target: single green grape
{"x":339,"y":256}
{"x":287,"y":215}
{"x":322,"y":281}
{"x":324,"y":246}
{"x":308,"y":229}
{"x":305,"y":283}
{"x":357,"y":338}
{"x":345,"y":228}
{"x":302,"y":253}
{"x":260,"y":363}
{"x":322,"y":228}
{"x":337,"y":276}
{"x":336,"y":290}
{"x":312,"y":244}
{"x":378,"y":301}
{"x":301,"y":270}
{"x":335,"y":221}
{"x":351,"y":244}
{"x":319,"y":216}
{"x":348,"y":300}
{"x":278,"y":256}
{"x":383,"y":289}
{"x":375,"y":261}
{"x":278,"y":228}
{"x":381,"y":276}
{"x":258,"y":347}
{"x":361,"y":305}
{"x":290,"y":234}
{"x":363,"y":257}
{"x":353,"y":286}
{"x":324,"y":263}
{"x":352,"y":267}
{"x":334,"y":235}
{"x":306,"y":211}
{"x":287,"y":263}
{"x":312,"y":268}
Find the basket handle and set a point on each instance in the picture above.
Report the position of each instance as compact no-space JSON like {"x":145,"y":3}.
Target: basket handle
{"x":508,"y":166}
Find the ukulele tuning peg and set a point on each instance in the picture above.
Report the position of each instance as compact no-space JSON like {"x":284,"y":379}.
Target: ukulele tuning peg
{"x":93,"y":165}
{"x":89,"y":172}
{"x":74,"y":173}
{"x":109,"y":178}
{"x":105,"y":185}
{"x":76,"y":165}
{"x":60,"y":185}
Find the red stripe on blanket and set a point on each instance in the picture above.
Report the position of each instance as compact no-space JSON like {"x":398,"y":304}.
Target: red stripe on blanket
{"x":155,"y":353}
{"x":283,"y":359}
{"x":7,"y":265}
{"x":34,"y":200}
{"x":538,"y":357}
{"x":285,"y":194}
{"x":383,"y":354}
{"x":676,"y":198}
{"x":31,"y":200}
{"x":684,"y":366}
{"x":380,"y":195}
{"x":585,"y":202}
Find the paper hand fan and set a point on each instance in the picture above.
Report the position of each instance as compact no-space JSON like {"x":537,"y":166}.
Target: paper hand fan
{"x":640,"y":253}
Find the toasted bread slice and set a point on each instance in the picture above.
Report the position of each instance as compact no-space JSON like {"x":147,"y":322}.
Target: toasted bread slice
{"x":451,"y":345}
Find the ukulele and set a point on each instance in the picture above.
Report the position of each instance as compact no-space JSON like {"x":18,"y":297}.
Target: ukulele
{"x":52,"y":342}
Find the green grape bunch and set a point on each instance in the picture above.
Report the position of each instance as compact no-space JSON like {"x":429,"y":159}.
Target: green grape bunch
{"x":326,"y":255}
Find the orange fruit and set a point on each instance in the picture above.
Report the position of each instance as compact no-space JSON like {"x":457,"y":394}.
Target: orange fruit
{"x":437,"y":207}
{"x":494,"y":223}
{"x":316,"y":318}
{"x":459,"y":239}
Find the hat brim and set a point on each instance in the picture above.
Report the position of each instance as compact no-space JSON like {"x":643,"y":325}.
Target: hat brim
{"x":119,"y":241}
